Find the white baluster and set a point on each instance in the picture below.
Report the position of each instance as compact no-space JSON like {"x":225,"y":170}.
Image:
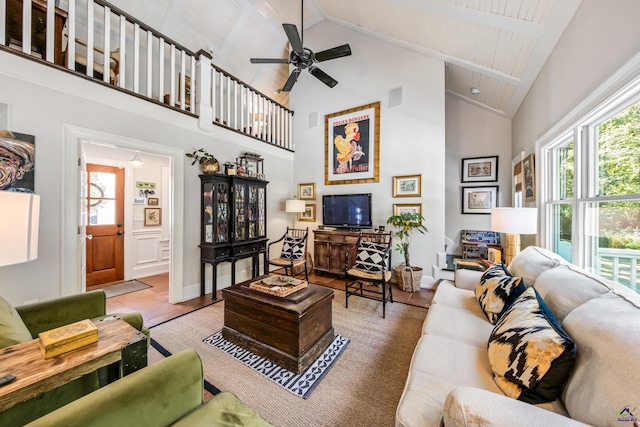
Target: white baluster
{"x":107,"y":45}
{"x":3,"y":29}
{"x":26,"y":27}
{"x":183,"y":79}
{"x":161,"y":69}
{"x":122,"y":79}
{"x":90,"y":38}
{"x":51,"y":26}
{"x":149,"y":64}
{"x":71,"y":34}
{"x":136,"y":58}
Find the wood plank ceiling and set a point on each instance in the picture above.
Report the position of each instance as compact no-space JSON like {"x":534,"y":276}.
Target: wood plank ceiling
{"x":497,"y":46}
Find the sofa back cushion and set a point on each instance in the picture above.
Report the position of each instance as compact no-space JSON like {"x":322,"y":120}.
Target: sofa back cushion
{"x":530,"y":354}
{"x":606,"y":375}
{"x":566,"y":287}
{"x":497,"y":290}
{"x":533,"y":261}
{"x":12,"y":328}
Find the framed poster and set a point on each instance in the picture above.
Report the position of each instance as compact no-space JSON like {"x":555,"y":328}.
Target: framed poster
{"x":480,"y":169}
{"x":309,"y":213}
{"x":17,"y":155}
{"x":528,"y":176}
{"x":352,"y":145}
{"x":405,"y":208}
{"x":307,"y":191}
{"x":407,"y":186}
{"x":152,"y":217}
{"x":479,"y":200}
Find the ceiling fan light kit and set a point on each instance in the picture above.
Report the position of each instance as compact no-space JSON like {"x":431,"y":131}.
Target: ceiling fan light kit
{"x":304,"y":58}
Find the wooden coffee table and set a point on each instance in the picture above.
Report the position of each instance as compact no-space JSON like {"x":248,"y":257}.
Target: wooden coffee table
{"x":290,"y":331}
{"x":36,"y":375}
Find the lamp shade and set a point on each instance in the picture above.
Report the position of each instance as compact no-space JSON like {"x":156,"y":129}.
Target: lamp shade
{"x":19,"y":219}
{"x":295,"y":205}
{"x":514,"y":220}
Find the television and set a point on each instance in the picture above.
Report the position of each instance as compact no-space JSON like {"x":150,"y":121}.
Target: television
{"x":351,"y":211}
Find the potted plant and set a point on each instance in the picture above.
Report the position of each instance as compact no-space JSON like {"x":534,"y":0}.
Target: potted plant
{"x":208,"y":162}
{"x":406,"y":223}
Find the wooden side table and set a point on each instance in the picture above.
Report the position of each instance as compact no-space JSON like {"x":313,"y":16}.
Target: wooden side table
{"x":36,"y":375}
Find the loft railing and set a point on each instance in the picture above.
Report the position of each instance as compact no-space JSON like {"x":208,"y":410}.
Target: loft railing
{"x":99,"y":41}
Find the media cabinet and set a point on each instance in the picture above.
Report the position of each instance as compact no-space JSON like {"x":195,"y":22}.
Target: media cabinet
{"x":329,"y":247}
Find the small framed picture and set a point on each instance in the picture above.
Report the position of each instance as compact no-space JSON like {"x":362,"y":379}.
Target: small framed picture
{"x":405,"y":208}
{"x":480,"y":169}
{"x":529,"y":178}
{"x":152,"y":217}
{"x":407,"y":186}
{"x":309,"y":213}
{"x":138,"y":200}
{"x":152,"y":201}
{"x":307,"y":191}
{"x":479,"y":200}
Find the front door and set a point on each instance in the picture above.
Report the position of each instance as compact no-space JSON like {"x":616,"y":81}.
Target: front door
{"x":105,"y":227}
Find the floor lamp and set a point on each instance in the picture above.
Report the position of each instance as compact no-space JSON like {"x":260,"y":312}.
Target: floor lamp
{"x":514,"y":222}
{"x":19,"y":220}
{"x":294,"y":206}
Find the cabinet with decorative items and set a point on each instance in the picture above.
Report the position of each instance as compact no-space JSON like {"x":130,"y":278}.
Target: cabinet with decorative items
{"x":476,"y":243}
{"x":234,"y":223}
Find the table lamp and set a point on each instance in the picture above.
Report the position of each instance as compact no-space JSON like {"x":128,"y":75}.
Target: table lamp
{"x":294,"y":206}
{"x":19,"y":219}
{"x":514,"y":222}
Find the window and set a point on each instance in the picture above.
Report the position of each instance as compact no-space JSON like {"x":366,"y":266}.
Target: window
{"x":591,"y":199}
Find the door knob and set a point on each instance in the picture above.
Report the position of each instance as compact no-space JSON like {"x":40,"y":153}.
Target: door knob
{"x":119,"y":233}
{"x":89,"y":236}
{"x":119,"y":225}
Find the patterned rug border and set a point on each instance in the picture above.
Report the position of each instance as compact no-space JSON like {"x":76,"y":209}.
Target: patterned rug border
{"x":299,"y":384}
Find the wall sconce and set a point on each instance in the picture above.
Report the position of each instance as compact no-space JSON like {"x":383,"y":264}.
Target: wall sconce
{"x":136,"y":162}
{"x":19,"y":223}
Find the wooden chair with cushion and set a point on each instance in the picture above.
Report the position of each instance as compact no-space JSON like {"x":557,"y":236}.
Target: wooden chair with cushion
{"x":293,"y":254}
{"x":370,"y":276}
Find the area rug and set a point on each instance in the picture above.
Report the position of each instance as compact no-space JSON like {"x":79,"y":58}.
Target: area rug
{"x":362,"y":388}
{"x":124,"y":288}
{"x":301,"y":384}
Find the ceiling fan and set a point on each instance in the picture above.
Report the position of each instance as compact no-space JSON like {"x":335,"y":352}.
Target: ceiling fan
{"x":302,"y":57}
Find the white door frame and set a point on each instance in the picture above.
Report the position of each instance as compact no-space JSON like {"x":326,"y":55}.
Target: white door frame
{"x":71,"y":247}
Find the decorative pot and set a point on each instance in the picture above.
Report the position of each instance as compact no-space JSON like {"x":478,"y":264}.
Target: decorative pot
{"x":408,"y":277}
{"x":209,"y":167}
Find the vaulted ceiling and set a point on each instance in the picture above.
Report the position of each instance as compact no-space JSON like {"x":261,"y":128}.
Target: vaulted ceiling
{"x":496,"y":46}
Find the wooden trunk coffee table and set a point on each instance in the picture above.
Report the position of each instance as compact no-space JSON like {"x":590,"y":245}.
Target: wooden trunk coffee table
{"x":290,"y":331}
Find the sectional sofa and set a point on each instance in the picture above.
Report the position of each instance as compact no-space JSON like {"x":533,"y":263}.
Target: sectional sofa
{"x":454,"y":381}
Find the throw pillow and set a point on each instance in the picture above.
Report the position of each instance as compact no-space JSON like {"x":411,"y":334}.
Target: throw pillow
{"x":371,"y":256}
{"x":292,"y":248}
{"x":12,"y":328}
{"x":497,"y":290}
{"x":530,"y":354}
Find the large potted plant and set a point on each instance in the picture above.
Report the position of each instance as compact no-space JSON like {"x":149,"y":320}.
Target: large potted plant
{"x":408,"y":276}
{"x":208,"y":162}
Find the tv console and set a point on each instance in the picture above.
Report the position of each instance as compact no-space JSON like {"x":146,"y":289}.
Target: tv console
{"x":329,"y":247}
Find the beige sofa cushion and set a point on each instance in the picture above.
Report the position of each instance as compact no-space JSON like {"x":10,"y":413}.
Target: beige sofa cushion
{"x":606,"y":374}
{"x":451,"y":295}
{"x":461,"y":325}
{"x":533,"y":261}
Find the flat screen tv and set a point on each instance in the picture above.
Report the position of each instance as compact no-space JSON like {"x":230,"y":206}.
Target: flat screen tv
{"x":347,"y":210}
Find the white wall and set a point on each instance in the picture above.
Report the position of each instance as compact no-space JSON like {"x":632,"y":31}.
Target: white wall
{"x":412,"y":139}
{"x":473,"y":132}
{"x":41,"y":100}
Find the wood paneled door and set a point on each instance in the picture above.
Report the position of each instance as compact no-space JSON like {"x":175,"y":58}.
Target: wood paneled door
{"x":105,"y":225}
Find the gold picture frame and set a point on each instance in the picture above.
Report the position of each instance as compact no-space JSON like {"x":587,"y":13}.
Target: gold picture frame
{"x":153,"y":201}
{"x":352,"y":145}
{"x":402,"y":208}
{"x":309,"y":213}
{"x":307,"y":191}
{"x":152,"y":217}
{"x":407,"y":186}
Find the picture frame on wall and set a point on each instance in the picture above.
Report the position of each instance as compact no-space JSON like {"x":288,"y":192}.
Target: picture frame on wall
{"x":405,"y":208}
{"x":309,"y":213}
{"x":153,"y":201}
{"x":152,"y":217}
{"x":307,"y":191}
{"x":528,"y":178}
{"x":407,"y":186}
{"x":479,"y":200}
{"x":352,"y":145}
{"x":480,"y":169}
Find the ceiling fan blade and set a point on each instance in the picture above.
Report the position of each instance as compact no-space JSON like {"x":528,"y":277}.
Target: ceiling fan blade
{"x":270,"y":61}
{"x":294,"y":37}
{"x":293,"y":78}
{"x":323,"y":77}
{"x":333,"y":53}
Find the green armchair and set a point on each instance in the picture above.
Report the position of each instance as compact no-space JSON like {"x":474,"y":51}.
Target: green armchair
{"x":168,"y":392}
{"x":24,"y":323}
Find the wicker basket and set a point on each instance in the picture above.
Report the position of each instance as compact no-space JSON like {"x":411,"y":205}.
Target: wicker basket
{"x":408,"y":277}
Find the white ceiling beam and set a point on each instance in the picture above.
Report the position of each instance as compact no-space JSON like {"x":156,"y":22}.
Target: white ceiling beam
{"x":518,"y":26}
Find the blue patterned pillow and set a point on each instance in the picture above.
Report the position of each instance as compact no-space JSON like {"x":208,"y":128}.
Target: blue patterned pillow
{"x":292,"y":248}
{"x":371,"y":256}
{"x":497,"y":290}
{"x":530,"y":354}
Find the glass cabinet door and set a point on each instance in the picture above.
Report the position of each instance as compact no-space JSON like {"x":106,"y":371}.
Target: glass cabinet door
{"x":207,"y":212}
{"x":262,"y":212}
{"x":222,"y":211}
{"x":252,"y":212}
{"x":239,"y":193}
